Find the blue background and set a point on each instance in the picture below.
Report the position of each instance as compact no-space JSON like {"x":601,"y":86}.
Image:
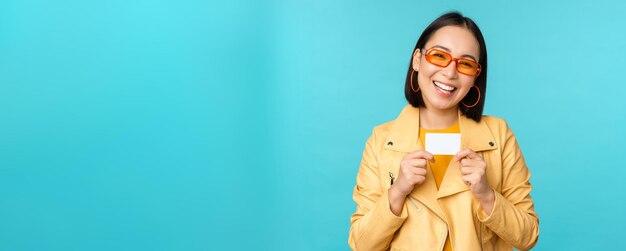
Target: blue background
{"x":195,"y":125}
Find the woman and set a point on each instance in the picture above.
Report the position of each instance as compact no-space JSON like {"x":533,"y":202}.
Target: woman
{"x":477,"y":198}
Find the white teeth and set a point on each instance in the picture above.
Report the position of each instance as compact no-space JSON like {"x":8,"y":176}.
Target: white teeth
{"x":444,"y":87}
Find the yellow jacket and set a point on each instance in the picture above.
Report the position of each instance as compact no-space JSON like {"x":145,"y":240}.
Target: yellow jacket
{"x":429,"y":213}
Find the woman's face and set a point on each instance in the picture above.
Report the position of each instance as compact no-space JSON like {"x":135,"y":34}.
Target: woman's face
{"x":443,"y":88}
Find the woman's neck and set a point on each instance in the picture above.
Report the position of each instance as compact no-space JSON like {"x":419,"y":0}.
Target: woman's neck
{"x":437,"y":119}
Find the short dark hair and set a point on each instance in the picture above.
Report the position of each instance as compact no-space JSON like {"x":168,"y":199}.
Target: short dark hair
{"x":453,"y":19}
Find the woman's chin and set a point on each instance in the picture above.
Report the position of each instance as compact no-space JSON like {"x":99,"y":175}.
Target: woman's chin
{"x":442,"y":105}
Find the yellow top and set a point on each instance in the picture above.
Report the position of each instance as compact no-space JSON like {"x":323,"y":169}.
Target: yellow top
{"x":441,"y":163}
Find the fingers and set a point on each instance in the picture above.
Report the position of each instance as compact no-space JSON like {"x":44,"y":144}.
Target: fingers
{"x":467,"y":170}
{"x":415,"y":166}
{"x":421,"y":154}
{"x":417,"y":162}
{"x":473,"y":168}
{"x":469,"y":166}
{"x":413,"y":170}
{"x":466,"y":180}
{"x":470,"y":179}
{"x":471,"y":162}
{"x":466,"y":153}
{"x":419,"y":171}
{"x":418,"y":179}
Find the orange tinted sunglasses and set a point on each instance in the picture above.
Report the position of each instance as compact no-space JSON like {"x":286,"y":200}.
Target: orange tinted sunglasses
{"x":443,"y":59}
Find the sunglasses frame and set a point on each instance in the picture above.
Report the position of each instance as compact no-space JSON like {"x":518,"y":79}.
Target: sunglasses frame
{"x":452,"y":59}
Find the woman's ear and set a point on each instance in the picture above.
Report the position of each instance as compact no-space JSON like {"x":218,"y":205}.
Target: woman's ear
{"x":417,"y":56}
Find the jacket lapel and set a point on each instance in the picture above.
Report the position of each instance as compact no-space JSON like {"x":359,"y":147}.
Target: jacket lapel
{"x":404,"y":133}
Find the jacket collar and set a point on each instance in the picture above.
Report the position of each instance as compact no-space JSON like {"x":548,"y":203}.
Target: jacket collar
{"x":404,"y":133}
{"x":404,"y":137}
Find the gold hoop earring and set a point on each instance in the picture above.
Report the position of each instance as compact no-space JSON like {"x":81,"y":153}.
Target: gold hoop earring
{"x":475,"y":103}
{"x":411,"y":81}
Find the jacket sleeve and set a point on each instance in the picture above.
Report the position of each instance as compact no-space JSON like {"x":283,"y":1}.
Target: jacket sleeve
{"x":373,"y":224}
{"x":513,"y":217}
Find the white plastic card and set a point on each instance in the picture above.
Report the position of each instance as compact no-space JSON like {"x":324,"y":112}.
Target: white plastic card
{"x":443,"y":143}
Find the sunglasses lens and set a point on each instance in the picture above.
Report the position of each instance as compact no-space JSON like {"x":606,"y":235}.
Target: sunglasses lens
{"x":438,"y":58}
{"x":468,"y":67}
{"x":443,"y":59}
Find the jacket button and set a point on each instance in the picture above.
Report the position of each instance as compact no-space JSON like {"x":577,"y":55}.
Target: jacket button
{"x":491,"y":143}
{"x":390,"y":143}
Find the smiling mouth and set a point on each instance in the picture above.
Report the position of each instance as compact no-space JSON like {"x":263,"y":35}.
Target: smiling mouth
{"x":447,"y":89}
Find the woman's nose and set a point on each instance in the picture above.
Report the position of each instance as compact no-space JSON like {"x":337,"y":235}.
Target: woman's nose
{"x":450,"y":70}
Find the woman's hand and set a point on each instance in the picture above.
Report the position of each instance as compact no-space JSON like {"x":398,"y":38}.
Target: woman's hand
{"x":474,"y":171}
{"x":412,"y":172}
